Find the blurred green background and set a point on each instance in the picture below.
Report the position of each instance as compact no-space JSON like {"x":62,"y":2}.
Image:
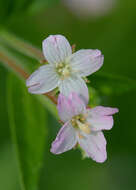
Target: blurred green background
{"x":28,"y":128}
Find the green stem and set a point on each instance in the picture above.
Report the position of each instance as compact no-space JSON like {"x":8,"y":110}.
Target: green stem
{"x":20,"y":45}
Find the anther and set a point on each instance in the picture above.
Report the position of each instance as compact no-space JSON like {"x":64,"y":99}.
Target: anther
{"x":84,"y":127}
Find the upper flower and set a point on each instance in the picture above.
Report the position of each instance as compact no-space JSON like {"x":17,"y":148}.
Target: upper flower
{"x":65,"y":70}
{"x":83,"y":126}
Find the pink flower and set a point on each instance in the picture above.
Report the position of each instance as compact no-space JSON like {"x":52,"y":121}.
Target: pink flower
{"x":65,"y":70}
{"x":83,"y":126}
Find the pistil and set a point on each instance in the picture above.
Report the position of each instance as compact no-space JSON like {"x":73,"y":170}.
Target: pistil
{"x":63,"y":70}
{"x":79,"y":122}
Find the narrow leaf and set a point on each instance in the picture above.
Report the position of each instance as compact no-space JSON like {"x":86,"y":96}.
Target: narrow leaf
{"x":28,"y":123}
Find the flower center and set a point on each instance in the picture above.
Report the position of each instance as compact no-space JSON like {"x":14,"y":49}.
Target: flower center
{"x":63,"y":69}
{"x":79,"y":122}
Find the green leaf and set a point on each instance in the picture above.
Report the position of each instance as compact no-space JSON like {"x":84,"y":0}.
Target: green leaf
{"x":109,"y":84}
{"x":3,"y":110}
{"x":28,"y":123}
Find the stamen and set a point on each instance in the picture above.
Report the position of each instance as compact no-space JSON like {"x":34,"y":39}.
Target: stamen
{"x":60,"y":64}
{"x":84,"y":127}
{"x":80,"y":136}
{"x":79,"y":121}
{"x":63,"y":70}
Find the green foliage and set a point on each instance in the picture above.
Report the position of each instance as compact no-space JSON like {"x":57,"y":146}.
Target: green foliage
{"x":7,"y":167}
{"x":3,"y":109}
{"x":109,"y":84}
{"x":7,"y":38}
{"x":114,"y":34}
{"x":28,"y":123}
{"x":10,"y":8}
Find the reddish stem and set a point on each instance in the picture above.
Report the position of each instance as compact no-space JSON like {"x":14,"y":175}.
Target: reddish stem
{"x":73,"y":48}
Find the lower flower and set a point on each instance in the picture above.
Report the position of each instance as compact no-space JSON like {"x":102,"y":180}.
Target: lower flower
{"x":83,"y":126}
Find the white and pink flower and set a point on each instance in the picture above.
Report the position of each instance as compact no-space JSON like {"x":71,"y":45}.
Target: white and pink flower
{"x":65,"y":70}
{"x":83,"y":126}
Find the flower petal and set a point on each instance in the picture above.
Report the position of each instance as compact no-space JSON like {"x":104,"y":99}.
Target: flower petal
{"x":77,"y":104}
{"x":94,"y":145}
{"x":100,"y":123}
{"x":56,"y":48}
{"x":86,"y":62}
{"x":74,"y":84}
{"x":100,"y":118}
{"x":101,"y":111}
{"x":65,"y":140}
{"x":42,"y":80}
{"x":65,"y":108}
{"x":70,"y":106}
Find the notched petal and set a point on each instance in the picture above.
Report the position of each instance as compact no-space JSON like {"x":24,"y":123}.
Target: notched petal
{"x":56,"y":49}
{"x":95,"y":146}
{"x":100,"y":123}
{"x":103,"y":111}
{"x":86,"y":62}
{"x":42,"y":80}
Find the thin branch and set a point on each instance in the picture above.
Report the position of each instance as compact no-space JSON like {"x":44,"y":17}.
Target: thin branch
{"x":12,"y":65}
